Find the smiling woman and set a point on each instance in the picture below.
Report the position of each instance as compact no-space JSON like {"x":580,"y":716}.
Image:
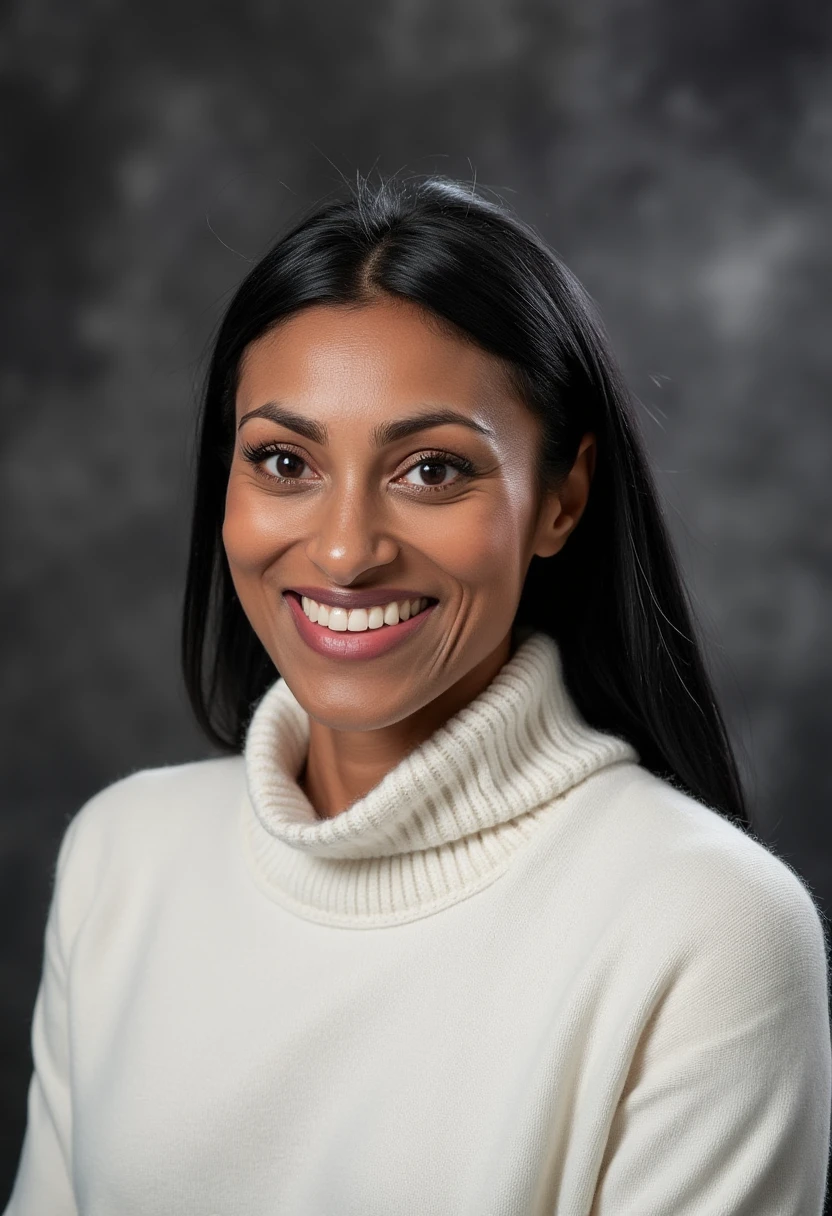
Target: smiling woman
{"x":469,"y":918}
{"x":416,"y":464}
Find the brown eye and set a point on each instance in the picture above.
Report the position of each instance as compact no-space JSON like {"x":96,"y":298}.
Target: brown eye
{"x":287,"y":464}
{"x":432,"y":473}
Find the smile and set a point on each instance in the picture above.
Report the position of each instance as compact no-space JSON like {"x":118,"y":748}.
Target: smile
{"x":357,"y":633}
{"x":356,"y":620}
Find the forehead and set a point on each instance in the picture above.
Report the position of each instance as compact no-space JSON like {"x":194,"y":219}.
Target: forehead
{"x":384,"y":353}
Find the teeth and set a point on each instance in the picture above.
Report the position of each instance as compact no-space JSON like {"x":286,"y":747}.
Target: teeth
{"x":337,"y":619}
{"x":357,"y":620}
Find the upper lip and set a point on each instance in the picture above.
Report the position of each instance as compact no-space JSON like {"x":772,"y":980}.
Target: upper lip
{"x":340,"y":597}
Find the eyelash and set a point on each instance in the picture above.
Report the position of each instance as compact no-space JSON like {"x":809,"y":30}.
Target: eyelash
{"x":257,"y":453}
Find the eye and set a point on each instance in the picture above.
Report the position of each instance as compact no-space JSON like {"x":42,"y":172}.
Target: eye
{"x":434,"y":468}
{"x":434,"y":471}
{"x":287,"y":463}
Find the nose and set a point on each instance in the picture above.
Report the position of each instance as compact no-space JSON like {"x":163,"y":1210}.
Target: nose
{"x":350,"y":535}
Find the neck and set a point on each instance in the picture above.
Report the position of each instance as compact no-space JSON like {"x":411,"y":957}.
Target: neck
{"x":343,"y":766}
{"x":443,"y":823}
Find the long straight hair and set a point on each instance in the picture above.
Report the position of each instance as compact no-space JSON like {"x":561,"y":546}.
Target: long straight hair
{"x":612,"y":598}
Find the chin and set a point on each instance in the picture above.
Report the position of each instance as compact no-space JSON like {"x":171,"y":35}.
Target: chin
{"x":342,"y":710}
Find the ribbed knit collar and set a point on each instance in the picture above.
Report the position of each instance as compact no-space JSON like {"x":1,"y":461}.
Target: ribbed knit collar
{"x":441,"y":825}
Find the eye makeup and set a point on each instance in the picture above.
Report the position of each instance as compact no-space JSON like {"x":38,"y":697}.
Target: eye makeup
{"x":257,"y":454}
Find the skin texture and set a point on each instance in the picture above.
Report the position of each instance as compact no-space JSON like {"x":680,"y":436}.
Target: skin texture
{"x":357,"y":516}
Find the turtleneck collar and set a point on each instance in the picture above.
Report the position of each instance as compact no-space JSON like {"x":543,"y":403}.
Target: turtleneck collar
{"x":442,"y":824}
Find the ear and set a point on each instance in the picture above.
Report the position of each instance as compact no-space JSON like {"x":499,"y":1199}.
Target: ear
{"x":562,"y":509}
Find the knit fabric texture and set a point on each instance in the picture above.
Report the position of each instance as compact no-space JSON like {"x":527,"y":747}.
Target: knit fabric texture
{"x":444,"y":823}
{"x":522,"y":976}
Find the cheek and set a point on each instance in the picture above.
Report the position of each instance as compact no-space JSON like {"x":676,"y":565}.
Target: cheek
{"x":482,"y":546}
{"x":249,"y":534}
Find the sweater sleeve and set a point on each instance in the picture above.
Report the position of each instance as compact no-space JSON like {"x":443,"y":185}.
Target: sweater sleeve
{"x":44,"y":1174}
{"x":726,"y":1108}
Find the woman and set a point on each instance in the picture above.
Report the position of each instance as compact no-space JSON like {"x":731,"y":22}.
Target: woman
{"x":470,"y":919}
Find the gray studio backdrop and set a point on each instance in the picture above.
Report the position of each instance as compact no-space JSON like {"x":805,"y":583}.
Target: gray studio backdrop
{"x":678,"y":156}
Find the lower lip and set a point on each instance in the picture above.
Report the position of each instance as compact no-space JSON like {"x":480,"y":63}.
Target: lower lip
{"x":342,"y":644}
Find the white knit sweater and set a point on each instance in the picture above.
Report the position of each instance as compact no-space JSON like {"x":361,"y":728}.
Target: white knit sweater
{"x":520,"y":977}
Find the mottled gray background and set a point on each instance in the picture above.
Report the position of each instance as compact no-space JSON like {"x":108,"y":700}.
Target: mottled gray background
{"x":677,"y":155}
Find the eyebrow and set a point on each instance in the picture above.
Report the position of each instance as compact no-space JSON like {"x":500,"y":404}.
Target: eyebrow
{"x":382,"y":434}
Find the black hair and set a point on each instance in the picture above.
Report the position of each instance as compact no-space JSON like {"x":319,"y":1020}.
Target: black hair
{"x":613,"y":597}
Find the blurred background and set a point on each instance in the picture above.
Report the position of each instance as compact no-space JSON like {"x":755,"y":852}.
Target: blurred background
{"x":678,"y":156}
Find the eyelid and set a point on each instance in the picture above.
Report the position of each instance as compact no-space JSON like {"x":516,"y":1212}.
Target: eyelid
{"x":466,"y":466}
{"x":436,"y":454}
{"x":257,"y":453}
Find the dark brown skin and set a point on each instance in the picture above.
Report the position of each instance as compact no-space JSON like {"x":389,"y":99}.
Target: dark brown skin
{"x":356,"y":516}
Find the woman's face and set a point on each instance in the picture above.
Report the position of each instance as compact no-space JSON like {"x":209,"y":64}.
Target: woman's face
{"x":445,"y":511}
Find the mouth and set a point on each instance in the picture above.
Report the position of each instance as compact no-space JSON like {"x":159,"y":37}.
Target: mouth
{"x":364,"y":615}
{"x":358,"y":633}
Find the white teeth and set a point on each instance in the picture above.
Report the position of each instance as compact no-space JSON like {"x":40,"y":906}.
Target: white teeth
{"x":310,"y":607}
{"x":337,"y":619}
{"x":357,"y":620}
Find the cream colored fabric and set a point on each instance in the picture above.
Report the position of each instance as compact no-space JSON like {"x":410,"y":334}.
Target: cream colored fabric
{"x":522,"y":976}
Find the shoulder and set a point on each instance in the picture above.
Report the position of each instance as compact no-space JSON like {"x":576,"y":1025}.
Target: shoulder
{"x":717,"y":891}
{"x":153,"y":802}
{"x":135,"y":830}
{"x":721,"y":861}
